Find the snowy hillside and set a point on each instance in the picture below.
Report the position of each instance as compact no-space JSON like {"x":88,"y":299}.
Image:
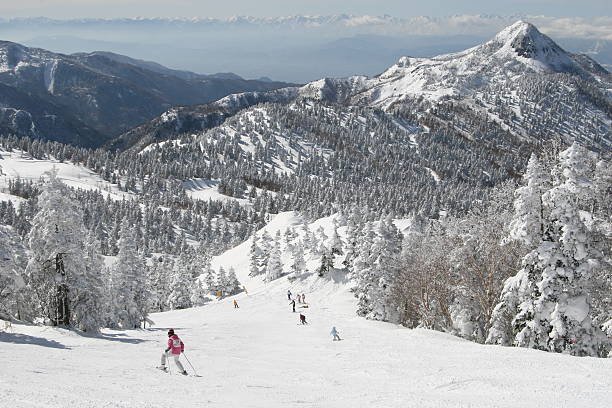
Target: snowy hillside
{"x":259,"y":356}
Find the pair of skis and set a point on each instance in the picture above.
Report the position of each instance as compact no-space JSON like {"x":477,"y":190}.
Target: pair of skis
{"x":165,"y":370}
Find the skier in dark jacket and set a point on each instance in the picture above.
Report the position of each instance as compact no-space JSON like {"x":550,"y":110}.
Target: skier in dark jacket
{"x":303,"y":319}
{"x":293,"y":305}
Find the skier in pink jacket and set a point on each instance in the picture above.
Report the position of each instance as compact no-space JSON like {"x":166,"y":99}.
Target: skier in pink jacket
{"x":175,"y":347}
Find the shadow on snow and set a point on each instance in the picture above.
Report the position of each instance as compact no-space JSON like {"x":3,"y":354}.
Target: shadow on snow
{"x":19,"y":338}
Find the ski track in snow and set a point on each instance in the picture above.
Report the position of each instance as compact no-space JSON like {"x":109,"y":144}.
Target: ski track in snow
{"x":259,"y":356}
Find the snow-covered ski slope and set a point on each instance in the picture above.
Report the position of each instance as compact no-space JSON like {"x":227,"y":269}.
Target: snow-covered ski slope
{"x":260,"y":356}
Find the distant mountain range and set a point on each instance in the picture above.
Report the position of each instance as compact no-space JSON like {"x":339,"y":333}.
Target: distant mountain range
{"x":513,"y":81}
{"x":87,"y":99}
{"x":250,"y":46}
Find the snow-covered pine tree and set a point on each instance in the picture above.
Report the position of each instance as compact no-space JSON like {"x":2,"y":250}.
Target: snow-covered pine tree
{"x":198,"y":295}
{"x":385,"y":250}
{"x":129,"y":283}
{"x":363,"y":252}
{"x":602,"y":245}
{"x":13,"y":262}
{"x":233,"y":284}
{"x":564,"y":305}
{"x":221,"y":283}
{"x":181,"y":284}
{"x":298,"y":265}
{"x":327,"y":262}
{"x":289,"y":236}
{"x":308,"y":240}
{"x":321,"y":246}
{"x":58,"y":272}
{"x":159,"y":275}
{"x":527,"y":226}
{"x":255,"y":255}
{"x":89,"y":293}
{"x":352,"y":240}
{"x":274,"y":267}
{"x":266,"y":244}
{"x":208,"y":279}
{"x":549,"y":299}
{"x":516,"y":307}
{"x":335,"y":243}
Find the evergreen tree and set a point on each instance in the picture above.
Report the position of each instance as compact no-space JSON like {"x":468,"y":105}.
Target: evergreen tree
{"x":59,"y":272}
{"x":327,"y":263}
{"x":255,"y":257}
{"x":527,"y":226}
{"x":274,"y":267}
{"x":198,"y":295}
{"x":160,"y":273}
{"x":129,"y":284}
{"x":13,"y":262}
{"x":181,"y":284}
{"x":233,"y":284}
{"x":221,"y":284}
{"x":549,"y":300}
{"x":89,"y":290}
{"x":564,"y":306}
{"x":298,"y":266}
{"x":335,"y":243}
{"x":375,"y":270}
{"x":208,"y":279}
{"x":266,"y":244}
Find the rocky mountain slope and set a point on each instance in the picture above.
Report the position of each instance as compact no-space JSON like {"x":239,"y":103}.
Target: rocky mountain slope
{"x":87,"y":99}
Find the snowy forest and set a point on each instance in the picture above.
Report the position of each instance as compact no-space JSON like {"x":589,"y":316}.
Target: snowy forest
{"x":528,"y":266}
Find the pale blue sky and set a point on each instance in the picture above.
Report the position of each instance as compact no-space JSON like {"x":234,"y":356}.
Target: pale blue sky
{"x":263,"y":8}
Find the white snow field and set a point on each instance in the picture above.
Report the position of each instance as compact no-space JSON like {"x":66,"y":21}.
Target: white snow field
{"x":17,"y":164}
{"x":259,"y":356}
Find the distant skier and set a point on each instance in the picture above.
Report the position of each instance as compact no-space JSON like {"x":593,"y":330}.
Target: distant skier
{"x":303,"y":298}
{"x":288,"y":295}
{"x":299,"y":298}
{"x":236,"y":305}
{"x":293,"y":305}
{"x":303,"y":319}
{"x":334,"y":333}
{"x":175,"y":347}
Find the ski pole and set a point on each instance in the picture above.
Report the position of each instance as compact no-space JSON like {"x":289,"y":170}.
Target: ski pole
{"x":194,"y":370}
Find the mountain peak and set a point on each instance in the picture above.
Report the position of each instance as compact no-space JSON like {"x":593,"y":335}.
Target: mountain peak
{"x":520,"y":28}
{"x":528,"y":42}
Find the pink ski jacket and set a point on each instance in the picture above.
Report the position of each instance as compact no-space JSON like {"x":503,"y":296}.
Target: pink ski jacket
{"x":175,"y":344}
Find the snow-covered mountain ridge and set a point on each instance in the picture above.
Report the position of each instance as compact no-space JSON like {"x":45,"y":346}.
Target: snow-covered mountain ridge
{"x":518,"y":50}
{"x":510,"y":81}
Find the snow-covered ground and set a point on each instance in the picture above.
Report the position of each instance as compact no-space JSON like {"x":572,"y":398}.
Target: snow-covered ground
{"x":205,"y":190}
{"x":17,"y":164}
{"x":259,"y":356}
